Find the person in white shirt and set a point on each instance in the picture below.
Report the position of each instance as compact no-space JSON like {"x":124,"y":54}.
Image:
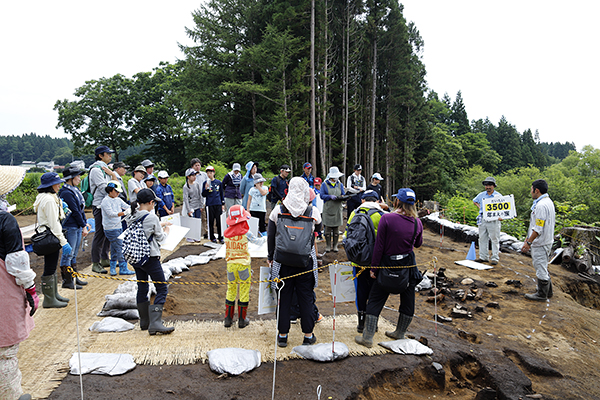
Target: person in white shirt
{"x":135,"y":184}
{"x":356,"y":184}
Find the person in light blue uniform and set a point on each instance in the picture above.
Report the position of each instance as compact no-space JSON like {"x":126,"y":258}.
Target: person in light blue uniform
{"x":488,"y":230}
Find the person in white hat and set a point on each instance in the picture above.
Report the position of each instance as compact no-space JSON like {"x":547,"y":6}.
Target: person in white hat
{"x":19,"y":297}
{"x":331,"y":191}
{"x":231,"y":187}
{"x":488,"y":230}
{"x":376,"y":186}
{"x":113,"y":209}
{"x":164,"y":192}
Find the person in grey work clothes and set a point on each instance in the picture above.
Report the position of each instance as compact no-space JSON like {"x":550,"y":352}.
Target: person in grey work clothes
{"x":540,"y":238}
{"x":488,"y":230}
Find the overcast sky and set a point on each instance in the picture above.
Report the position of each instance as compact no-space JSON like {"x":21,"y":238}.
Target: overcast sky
{"x":535,"y":62}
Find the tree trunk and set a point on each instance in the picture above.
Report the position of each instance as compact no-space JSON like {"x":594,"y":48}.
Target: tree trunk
{"x":373,"y":106}
{"x":313,"y":117}
{"x":587,"y":236}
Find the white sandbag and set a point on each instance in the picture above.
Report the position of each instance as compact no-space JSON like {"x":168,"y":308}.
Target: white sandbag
{"x":323,"y":351}
{"x":407,"y":346}
{"x":198,"y":259}
{"x":111,"y":324}
{"x":167,"y":272}
{"x":101,"y":363}
{"x":124,"y":314}
{"x":132,"y":287}
{"x":120,"y":301}
{"x":233,"y":361}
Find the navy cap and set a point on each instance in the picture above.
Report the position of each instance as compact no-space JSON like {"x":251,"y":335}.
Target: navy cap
{"x":369,"y":193}
{"x":49,"y":179}
{"x":103,"y":149}
{"x":406,"y":195}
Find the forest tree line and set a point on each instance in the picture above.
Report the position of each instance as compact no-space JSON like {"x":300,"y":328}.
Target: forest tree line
{"x":334,"y":82}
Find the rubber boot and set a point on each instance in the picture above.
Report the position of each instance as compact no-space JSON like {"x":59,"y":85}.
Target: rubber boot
{"x":143,"y":309}
{"x":156,"y":324}
{"x":123,"y":270}
{"x":48,"y":288}
{"x":56,"y":294}
{"x":366,"y":339}
{"x":403,"y":323}
{"x":229,"y":313}
{"x":67,"y":279}
{"x":113,"y":268}
{"x":542,"y":291}
{"x":97,"y":268}
{"x":336,"y":236}
{"x":327,"y":239}
{"x":550,"y":294}
{"x":104,"y":263}
{"x":243,"y":321}
{"x":361,"y":322}
{"x":77,"y":280}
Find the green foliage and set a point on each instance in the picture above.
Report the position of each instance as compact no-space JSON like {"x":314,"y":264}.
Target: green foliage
{"x":515,"y":227}
{"x":24,"y":196}
{"x":567,"y":215}
{"x":31,"y":147}
{"x":462,"y":210}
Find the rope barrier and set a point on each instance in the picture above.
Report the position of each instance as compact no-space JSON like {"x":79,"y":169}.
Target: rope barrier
{"x":76,"y":274}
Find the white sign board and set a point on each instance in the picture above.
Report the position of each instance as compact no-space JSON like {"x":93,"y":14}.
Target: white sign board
{"x":342,"y":284}
{"x":499,"y":207}
{"x":267,"y":297}
{"x":174,"y":219}
{"x":319,"y":204}
{"x":253,"y":224}
{"x":176,"y":233}
{"x":195,"y":225}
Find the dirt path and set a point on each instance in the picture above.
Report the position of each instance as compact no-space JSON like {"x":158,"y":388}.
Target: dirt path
{"x":514,"y":347}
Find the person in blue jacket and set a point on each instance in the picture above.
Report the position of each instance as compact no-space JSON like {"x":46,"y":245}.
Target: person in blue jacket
{"x":164,"y":191}
{"x":215,"y":204}
{"x":248,"y":181}
{"x":74,"y":225}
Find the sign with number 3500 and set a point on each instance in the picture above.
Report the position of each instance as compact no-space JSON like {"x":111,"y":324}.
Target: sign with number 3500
{"x":499,"y":207}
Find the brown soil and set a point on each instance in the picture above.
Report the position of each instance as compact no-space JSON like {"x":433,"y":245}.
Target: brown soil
{"x":508,"y":349}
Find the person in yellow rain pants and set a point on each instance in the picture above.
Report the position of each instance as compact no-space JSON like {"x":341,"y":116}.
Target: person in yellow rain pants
{"x":238,"y":265}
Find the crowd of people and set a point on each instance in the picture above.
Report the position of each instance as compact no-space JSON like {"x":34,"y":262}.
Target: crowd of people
{"x":291,"y":226}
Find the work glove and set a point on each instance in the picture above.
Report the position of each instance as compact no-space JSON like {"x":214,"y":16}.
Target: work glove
{"x":67,"y":249}
{"x":32,"y":299}
{"x":333,"y":198}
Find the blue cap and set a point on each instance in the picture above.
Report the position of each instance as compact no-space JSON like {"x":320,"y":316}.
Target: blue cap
{"x":406,"y":195}
{"x":50,"y":179}
{"x":103,"y":149}
{"x":369,"y":193}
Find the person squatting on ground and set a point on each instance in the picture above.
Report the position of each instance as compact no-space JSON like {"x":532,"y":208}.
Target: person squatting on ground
{"x":398,"y":233}
{"x":364,"y":282}
{"x":540,"y":238}
{"x":75,"y":225}
{"x":164,"y":192}
{"x":19,"y":297}
{"x":150,"y":315}
{"x":213,"y":191}
{"x":113,"y":208}
{"x":99,"y":176}
{"x":257,"y":202}
{"x":488,"y":230}
{"x":297,"y":205}
{"x":201,"y":178}
{"x":331,"y":190}
{"x":50,"y":213}
{"x":356,"y":184}
{"x":238,"y":259}
{"x":231,"y":187}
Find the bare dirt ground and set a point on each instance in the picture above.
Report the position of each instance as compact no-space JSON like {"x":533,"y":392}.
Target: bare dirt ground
{"x":509,"y":348}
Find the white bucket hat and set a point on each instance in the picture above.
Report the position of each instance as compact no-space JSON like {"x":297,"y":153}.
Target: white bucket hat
{"x":334,"y":172}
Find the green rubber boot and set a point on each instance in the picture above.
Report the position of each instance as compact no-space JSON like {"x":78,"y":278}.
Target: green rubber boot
{"x":401,"y":328}
{"x":366,"y":339}
{"x":48,"y":290}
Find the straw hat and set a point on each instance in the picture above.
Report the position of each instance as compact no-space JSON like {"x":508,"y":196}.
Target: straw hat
{"x":10,"y":178}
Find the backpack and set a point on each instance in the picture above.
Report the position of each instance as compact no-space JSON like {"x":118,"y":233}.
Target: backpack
{"x":136,"y":248}
{"x":294,"y":239}
{"x":360,"y":237}
{"x":86,"y":190}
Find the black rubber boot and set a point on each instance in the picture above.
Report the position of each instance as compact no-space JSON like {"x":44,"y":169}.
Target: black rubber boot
{"x":77,"y":280}
{"x":366,"y":339}
{"x":48,"y":290}
{"x":403,"y":323}
{"x":143,"y":310}
{"x":67,"y":279}
{"x":156,"y":324}
{"x":229,"y":313}
{"x":361,"y":322}
{"x":542,"y":291}
{"x":550,"y":294}
{"x":243,"y":321}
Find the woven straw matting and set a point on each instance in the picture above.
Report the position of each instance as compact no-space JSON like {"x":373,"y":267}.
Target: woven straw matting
{"x":10,"y":178}
{"x":44,"y":357}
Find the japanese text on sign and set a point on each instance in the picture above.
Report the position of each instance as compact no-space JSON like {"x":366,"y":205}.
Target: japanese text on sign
{"x":499,"y":207}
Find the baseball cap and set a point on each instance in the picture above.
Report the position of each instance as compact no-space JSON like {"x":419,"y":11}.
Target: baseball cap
{"x":377,"y":175}
{"x":210,"y":168}
{"x":285,"y":168}
{"x":102,"y":149}
{"x":189,"y":172}
{"x":357,"y":167}
{"x":116,"y":185}
{"x":307,"y":165}
{"x":318,"y":181}
{"x":146,"y":196}
{"x":236,"y":167}
{"x":369,"y":193}
{"x":406,"y":195}
{"x":71,"y":172}
{"x":163,"y":174}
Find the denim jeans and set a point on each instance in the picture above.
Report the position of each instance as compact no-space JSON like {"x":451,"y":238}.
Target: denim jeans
{"x":73,"y":235}
{"x":116,"y":245}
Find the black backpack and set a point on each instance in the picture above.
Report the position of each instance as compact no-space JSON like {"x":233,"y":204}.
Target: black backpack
{"x":294,"y":239}
{"x":360,"y":237}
